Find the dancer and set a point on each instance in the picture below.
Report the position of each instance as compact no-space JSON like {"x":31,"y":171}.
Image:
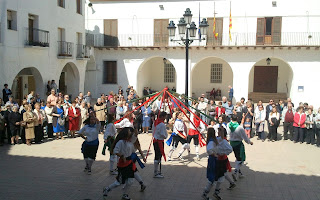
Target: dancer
{"x":178,"y":135}
{"x":196,"y":128}
{"x":238,"y":134}
{"x":109,"y":137}
{"x":127,"y":121}
{"x":160,"y":134}
{"x":123,"y":147}
{"x":89,"y":148}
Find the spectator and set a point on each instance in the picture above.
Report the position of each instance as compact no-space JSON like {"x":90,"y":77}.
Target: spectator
{"x":30,"y":96}
{"x":128,"y":90}
{"x":238,"y":111}
{"x":40,"y":117}
{"x":6,"y":92}
{"x":299,"y":124}
{"x":317,"y":122}
{"x":12,"y":103}
{"x":274,"y":118}
{"x":84,"y":113}
{"x":58,"y":120}
{"x":268,"y":110}
{"x":100,"y":113}
{"x":229,"y":110}
{"x":230,"y":92}
{"x":120,"y":110}
{"x":29,"y":117}
{"x":120,"y":90}
{"x":14,"y":119}
{"x":287,"y":117}
{"x":310,"y":124}
{"x":80,"y":96}
{"x":54,"y":86}
{"x":74,"y":115}
{"x":145,"y":91}
{"x":48,"y":111}
{"x":260,"y":116}
{"x":211,"y":108}
{"x":224,"y":102}
{"x":52,"y":98}
{"x":288,"y":101}
{"x":202,"y":107}
{"x":111,"y":105}
{"x":220,"y":110}
{"x":48,"y":88}
{"x":87,"y":97}
{"x":146,"y":118}
{"x":2,"y":126}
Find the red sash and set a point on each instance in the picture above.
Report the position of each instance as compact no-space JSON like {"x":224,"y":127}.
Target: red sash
{"x":160,"y":144}
{"x":126,"y":163}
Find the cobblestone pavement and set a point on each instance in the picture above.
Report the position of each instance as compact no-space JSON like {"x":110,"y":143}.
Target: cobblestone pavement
{"x":54,"y":170}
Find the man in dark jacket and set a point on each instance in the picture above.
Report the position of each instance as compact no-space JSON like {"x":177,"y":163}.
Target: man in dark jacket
{"x":6,"y":92}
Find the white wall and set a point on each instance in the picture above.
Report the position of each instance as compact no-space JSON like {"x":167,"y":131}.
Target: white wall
{"x":14,"y":56}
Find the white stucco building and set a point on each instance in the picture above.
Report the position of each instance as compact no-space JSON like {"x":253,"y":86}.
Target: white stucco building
{"x":42,"y":40}
{"x":132,"y":47}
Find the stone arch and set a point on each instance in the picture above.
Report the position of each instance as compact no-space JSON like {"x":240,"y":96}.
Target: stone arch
{"x":201,"y":77}
{"x":151,"y":74}
{"x":27,"y":80}
{"x":283,"y":80}
{"x":69,"y":80}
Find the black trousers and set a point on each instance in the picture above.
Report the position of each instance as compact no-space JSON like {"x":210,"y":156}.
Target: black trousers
{"x":310,"y":136}
{"x":269,"y":130}
{"x":23,"y":135}
{"x":298,"y":134}
{"x":38,"y":131}
{"x":287,"y":126}
{"x":318,"y":136}
{"x":50,"y":130}
{"x":2,"y":134}
{"x":273,"y":133}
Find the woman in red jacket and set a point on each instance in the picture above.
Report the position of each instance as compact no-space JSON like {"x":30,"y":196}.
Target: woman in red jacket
{"x":74,"y":118}
{"x":220,"y":110}
{"x":299,"y":125}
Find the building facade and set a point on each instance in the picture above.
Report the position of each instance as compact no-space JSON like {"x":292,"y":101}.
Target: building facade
{"x":273,"y":51}
{"x":40,"y":41}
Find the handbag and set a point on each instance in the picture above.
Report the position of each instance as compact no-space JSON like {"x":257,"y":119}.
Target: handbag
{"x":318,"y":125}
{"x":61,"y":121}
{"x":23,"y":124}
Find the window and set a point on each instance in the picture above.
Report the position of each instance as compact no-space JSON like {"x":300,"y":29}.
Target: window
{"x":169,"y":73}
{"x":79,"y":7}
{"x":269,"y":31}
{"x":109,"y":72}
{"x":216,"y":73}
{"x":161,"y":35}
{"x":61,"y":3}
{"x":11,"y":20}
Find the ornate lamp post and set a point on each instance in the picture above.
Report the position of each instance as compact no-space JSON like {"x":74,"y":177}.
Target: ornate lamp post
{"x":187,"y":31}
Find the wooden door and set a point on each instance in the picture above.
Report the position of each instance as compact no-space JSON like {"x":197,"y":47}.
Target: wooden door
{"x":276,"y":30}
{"x":31,"y":84}
{"x":265,"y":79}
{"x":260,"y":31}
{"x":161,"y":34}
{"x":111,"y":32}
{"x":211,"y":40}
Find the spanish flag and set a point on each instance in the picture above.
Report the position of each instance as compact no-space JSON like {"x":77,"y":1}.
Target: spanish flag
{"x":230,"y":24}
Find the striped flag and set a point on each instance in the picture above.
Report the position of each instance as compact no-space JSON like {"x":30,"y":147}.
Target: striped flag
{"x":199,"y":31}
{"x":230,"y":24}
{"x":214,"y":22}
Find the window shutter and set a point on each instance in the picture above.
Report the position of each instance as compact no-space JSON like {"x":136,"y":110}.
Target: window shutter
{"x":9,"y":15}
{"x":276,"y":30}
{"x":260,"y":31}
{"x":111,"y":32}
{"x":160,"y":37}
{"x":219,"y":30}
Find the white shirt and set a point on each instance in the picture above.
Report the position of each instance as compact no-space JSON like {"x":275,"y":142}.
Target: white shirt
{"x":110,"y":131}
{"x":202,"y":106}
{"x":161,"y":132}
{"x":92,"y":133}
{"x":201,"y":127}
{"x":48,"y":112}
{"x":124,"y":148}
{"x":179,"y":127}
{"x":124,"y":123}
{"x":238,"y":135}
{"x":223,"y":147}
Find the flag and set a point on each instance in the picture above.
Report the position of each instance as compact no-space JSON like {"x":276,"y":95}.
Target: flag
{"x":214,"y":22}
{"x":230,"y":24}
{"x":199,"y":31}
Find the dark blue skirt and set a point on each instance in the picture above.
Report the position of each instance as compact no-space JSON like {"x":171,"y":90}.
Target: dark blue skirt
{"x":211,"y":168}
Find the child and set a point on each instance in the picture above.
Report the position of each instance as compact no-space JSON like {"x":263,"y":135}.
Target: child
{"x":178,"y":135}
{"x":196,"y":128}
{"x":109,"y":137}
{"x":247,"y":127}
{"x":160,"y":134}
{"x":123,"y":147}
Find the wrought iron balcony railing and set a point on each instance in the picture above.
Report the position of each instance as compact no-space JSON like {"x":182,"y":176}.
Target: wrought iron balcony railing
{"x":83,"y":51}
{"x":65,"y":49}
{"x":37,"y":37}
{"x":237,"y":39}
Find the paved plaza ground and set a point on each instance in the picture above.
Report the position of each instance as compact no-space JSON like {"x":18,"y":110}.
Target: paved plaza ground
{"x":54,"y":170}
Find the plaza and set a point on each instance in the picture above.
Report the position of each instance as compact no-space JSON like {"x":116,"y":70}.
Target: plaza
{"x":54,"y":170}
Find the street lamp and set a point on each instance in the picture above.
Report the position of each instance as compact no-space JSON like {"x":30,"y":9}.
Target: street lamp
{"x":188,"y":29}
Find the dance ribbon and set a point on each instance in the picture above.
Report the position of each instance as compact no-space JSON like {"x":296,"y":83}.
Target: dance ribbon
{"x":134,"y":158}
{"x":174,"y":99}
{"x":162,"y":92}
{"x":138,"y":107}
{"x":169,"y":141}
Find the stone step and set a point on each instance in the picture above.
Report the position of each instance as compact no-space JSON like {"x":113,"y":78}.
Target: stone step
{"x":265,"y":97}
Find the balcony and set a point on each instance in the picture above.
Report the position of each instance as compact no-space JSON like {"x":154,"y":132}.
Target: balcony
{"x":65,"y":49}
{"x":238,"y":39}
{"x":37,"y":38}
{"x":83,"y":51}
